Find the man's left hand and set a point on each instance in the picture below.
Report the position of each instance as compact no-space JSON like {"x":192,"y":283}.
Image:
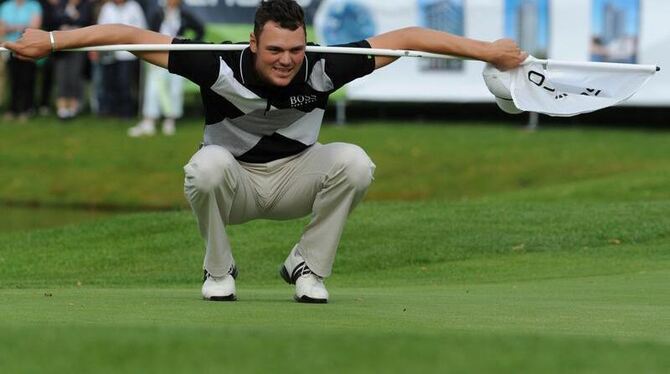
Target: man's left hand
{"x":506,"y":54}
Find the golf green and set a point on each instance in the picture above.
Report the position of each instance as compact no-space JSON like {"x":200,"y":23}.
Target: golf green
{"x":613,"y":323}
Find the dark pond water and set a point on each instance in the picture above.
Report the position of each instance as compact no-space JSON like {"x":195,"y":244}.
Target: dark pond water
{"x":28,"y":218}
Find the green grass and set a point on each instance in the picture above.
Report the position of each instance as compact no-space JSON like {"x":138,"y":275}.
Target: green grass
{"x":435,"y":286}
{"x":91,"y":162}
{"x":479,"y":249}
{"x":381,"y":239}
{"x":605,"y":324}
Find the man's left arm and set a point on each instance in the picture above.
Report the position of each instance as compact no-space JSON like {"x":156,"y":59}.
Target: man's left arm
{"x":504,"y":53}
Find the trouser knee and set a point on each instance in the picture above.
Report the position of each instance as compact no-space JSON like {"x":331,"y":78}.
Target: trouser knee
{"x":357,"y":166}
{"x":211,"y":167}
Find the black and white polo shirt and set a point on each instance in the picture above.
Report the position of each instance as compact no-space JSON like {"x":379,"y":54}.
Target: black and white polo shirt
{"x":258,"y":122}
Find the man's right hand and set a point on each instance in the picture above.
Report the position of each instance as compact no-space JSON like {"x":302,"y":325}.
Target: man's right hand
{"x":32,"y":45}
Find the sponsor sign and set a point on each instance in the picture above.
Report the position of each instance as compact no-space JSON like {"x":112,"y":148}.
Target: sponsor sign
{"x":237,"y":11}
{"x":597,"y":30}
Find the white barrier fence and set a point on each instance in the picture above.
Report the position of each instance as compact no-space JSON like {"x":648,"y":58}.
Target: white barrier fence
{"x":577,"y":30}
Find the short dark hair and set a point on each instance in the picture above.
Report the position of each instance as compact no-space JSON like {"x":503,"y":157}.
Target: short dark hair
{"x":287,"y":13}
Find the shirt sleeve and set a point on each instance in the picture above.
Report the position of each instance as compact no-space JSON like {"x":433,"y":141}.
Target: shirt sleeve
{"x":344,"y":68}
{"x":200,"y":67}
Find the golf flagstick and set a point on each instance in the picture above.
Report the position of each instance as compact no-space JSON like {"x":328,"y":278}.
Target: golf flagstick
{"x":239,"y":47}
{"x":548,"y":86}
{"x":338,"y":50}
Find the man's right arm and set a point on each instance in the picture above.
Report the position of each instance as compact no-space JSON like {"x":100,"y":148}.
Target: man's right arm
{"x":35,"y":44}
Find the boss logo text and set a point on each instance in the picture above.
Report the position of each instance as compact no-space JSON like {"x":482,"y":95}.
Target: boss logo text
{"x":301,"y":100}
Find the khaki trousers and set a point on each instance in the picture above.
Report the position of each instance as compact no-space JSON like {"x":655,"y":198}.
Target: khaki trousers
{"x":327,"y":181}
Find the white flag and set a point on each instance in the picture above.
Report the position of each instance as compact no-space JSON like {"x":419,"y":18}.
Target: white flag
{"x":563,"y":88}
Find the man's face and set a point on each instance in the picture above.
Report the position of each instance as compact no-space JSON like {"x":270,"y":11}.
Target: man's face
{"x":279,"y":53}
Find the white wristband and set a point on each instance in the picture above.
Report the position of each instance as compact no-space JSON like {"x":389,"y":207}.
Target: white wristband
{"x":53,"y":41}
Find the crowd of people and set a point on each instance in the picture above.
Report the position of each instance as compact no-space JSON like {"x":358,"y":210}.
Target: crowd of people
{"x":57,"y":84}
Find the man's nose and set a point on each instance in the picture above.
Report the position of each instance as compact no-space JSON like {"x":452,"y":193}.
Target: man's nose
{"x":285,"y":58}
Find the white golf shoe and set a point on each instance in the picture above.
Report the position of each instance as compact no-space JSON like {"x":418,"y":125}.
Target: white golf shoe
{"x":146,"y":127}
{"x":309,"y":287}
{"x":220,"y":288}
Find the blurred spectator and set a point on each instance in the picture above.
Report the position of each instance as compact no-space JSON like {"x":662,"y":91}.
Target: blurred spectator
{"x":70,"y":14}
{"x":164,"y":92}
{"x":120,"y":70}
{"x":92,"y":67}
{"x":3,"y":66}
{"x":16,"y":16}
{"x":45,"y":66}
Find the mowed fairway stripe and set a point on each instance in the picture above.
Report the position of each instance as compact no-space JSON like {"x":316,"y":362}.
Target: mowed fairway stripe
{"x":610,"y":323}
{"x":632,"y":307}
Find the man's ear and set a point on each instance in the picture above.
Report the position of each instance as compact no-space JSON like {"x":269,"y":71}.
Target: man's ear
{"x":253,"y":43}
